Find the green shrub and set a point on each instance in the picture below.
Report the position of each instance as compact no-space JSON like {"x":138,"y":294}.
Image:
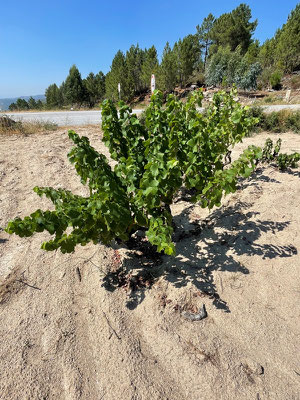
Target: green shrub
{"x":257,"y":113}
{"x":176,"y":147}
{"x":275,"y":80}
{"x":281,"y":121}
{"x":272,"y":122}
{"x":293,"y":121}
{"x":269,"y":99}
{"x":295,"y":82}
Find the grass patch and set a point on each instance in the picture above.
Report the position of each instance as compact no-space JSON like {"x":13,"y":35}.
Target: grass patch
{"x":272,"y":98}
{"x":8,"y":126}
{"x":295,"y":82}
{"x":277,"y":99}
{"x":281,"y":121}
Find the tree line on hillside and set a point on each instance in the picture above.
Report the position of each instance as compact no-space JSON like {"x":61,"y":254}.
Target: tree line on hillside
{"x":31,"y":104}
{"x":221,"y":53}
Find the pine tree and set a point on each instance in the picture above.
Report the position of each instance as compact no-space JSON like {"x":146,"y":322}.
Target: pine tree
{"x":74,"y":89}
{"x":95,"y":88}
{"x":39,"y":105}
{"x":233,"y":29}
{"x":266,"y":53}
{"x":167,"y":70}
{"x":32,"y":103}
{"x":187,"y":54}
{"x":205,"y":36}
{"x":62,"y":94}
{"x":100,"y":83}
{"x":149,"y":67}
{"x":243,"y":28}
{"x":287,"y":53}
{"x":22,"y":104}
{"x":12,"y":107}
{"x":116,"y":75}
{"x":53,"y":97}
{"x":134,"y":60}
{"x":252,"y":53}
{"x":91,"y":89}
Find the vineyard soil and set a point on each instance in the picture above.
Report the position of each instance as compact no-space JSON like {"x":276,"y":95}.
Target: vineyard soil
{"x":66,"y":333}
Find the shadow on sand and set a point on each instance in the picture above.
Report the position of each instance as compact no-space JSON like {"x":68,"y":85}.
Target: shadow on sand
{"x":209,"y":245}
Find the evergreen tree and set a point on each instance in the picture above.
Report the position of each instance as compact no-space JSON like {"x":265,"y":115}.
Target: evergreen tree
{"x":32,"y":104}
{"x":100,"y":82}
{"x":204,"y":33}
{"x":149,"y":67}
{"x":22,"y":104}
{"x":39,"y":105}
{"x":62,"y":94}
{"x":73,"y":88}
{"x":234,"y":29}
{"x":91,"y":89}
{"x":12,"y":107}
{"x":95,"y":88}
{"x":266,"y":53}
{"x":134,"y":60}
{"x":217,"y":71}
{"x":116,"y":75}
{"x":246,"y":76}
{"x":53,"y":97}
{"x":287,"y":53}
{"x":252,"y":53}
{"x":168,"y":70}
{"x":187,"y":55}
{"x":243,"y":28}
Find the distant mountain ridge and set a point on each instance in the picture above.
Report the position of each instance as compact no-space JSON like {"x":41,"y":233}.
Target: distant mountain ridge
{"x":5,"y":103}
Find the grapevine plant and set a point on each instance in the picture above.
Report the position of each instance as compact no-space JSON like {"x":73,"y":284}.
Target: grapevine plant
{"x":176,"y":146}
{"x":283,"y":161}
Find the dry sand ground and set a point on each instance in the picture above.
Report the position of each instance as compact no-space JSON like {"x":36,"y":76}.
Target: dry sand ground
{"x":65,"y":333}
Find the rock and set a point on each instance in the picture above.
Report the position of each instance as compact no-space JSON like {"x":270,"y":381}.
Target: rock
{"x":6,"y":122}
{"x":196,"y":317}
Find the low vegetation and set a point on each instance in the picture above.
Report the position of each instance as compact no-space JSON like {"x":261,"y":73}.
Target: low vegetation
{"x":278,"y":122}
{"x":9,"y":126}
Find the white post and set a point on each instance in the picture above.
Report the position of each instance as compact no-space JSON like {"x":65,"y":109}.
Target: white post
{"x":152,"y":83}
{"x":119,"y":90}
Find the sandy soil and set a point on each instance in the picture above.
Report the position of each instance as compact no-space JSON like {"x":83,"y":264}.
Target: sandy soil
{"x":67,"y":332}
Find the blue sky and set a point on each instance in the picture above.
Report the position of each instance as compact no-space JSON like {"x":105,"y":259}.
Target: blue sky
{"x":40,"y":40}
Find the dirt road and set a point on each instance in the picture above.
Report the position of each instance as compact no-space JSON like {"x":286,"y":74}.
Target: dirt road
{"x":79,"y":118}
{"x":62,"y":118}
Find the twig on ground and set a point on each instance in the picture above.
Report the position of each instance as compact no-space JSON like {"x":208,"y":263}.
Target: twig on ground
{"x":27,"y":284}
{"x":108,"y":323}
{"x":78,"y":273}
